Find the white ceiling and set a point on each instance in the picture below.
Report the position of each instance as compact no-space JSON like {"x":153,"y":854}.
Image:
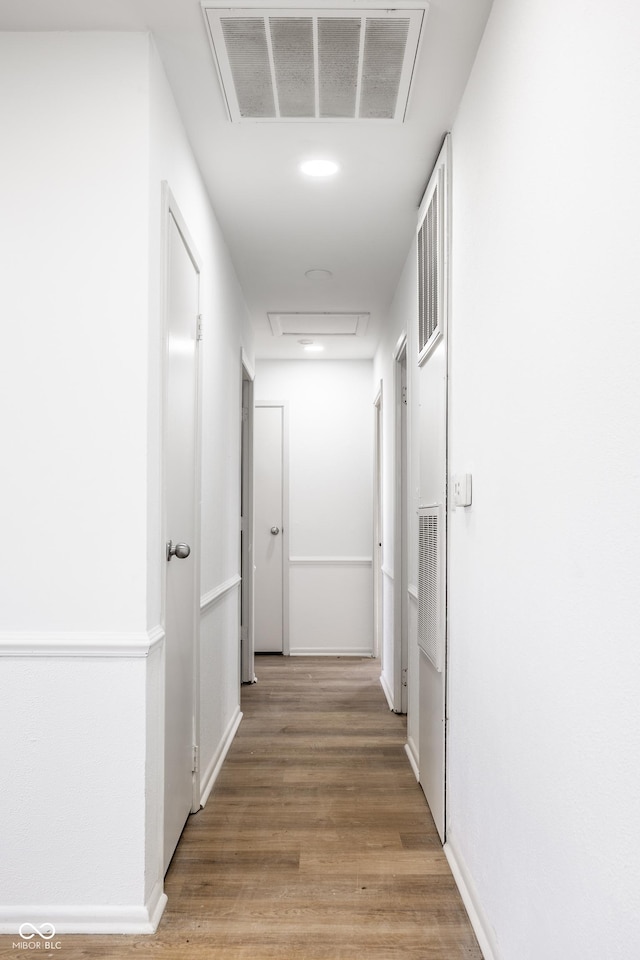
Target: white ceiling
{"x":278,"y":224}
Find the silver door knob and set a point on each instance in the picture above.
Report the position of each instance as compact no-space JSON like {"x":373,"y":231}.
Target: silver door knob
{"x":181,"y":550}
{"x":275,"y":531}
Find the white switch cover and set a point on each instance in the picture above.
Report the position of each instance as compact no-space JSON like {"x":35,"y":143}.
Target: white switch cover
{"x":462,"y":490}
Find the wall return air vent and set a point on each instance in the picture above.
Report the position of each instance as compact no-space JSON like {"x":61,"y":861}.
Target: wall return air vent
{"x":430,"y":585}
{"x":315,"y":65}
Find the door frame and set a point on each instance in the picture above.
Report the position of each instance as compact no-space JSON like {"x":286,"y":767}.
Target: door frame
{"x":401,"y":530}
{"x":171,"y":211}
{"x":286,"y":642}
{"x":247,"y":377}
{"x":446,"y":152}
{"x":442,"y":166}
{"x":378,"y":550}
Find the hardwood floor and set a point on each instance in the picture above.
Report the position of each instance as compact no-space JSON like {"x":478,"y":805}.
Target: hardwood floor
{"x":316,"y":843}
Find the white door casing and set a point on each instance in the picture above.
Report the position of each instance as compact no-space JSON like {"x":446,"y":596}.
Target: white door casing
{"x":247,"y":670}
{"x":401,"y":540}
{"x":432,"y":380}
{"x":270,"y":535}
{"x":378,"y":548}
{"x":181,"y":498}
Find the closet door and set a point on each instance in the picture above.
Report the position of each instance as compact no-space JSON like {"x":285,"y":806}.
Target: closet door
{"x":268,"y":462}
{"x":432,"y":513}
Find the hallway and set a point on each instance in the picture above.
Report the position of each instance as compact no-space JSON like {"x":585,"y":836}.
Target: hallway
{"x":316,"y":843}
{"x":460,"y":481}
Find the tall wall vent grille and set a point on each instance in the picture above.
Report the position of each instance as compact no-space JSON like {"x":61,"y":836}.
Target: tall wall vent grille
{"x":430,"y":601}
{"x":306,"y":65}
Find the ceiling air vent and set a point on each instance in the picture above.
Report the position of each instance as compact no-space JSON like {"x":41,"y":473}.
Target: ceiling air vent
{"x":318,"y":324}
{"x":315,"y":65}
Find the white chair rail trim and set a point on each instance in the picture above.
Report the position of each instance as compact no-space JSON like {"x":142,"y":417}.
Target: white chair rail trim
{"x":208,"y":599}
{"x":89,"y":644}
{"x":331,"y":561}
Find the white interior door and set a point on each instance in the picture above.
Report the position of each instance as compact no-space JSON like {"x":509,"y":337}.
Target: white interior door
{"x":433,"y":265}
{"x":432,"y":668}
{"x":181,"y":415}
{"x":268,"y":462}
{"x":401,"y":547}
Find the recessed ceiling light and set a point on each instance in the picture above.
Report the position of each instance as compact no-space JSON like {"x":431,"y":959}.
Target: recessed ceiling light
{"x":319,"y":168}
{"x":318,"y":274}
{"x":314,"y":348}
{"x":305,"y":343}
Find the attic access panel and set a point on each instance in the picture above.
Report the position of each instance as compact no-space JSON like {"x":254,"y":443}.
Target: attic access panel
{"x":315,"y":65}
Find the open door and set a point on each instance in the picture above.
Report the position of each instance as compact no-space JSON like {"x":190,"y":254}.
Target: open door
{"x":270,"y":536}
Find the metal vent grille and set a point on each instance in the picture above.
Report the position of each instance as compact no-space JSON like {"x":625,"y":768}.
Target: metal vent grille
{"x":429,"y":273}
{"x":246,"y":45}
{"x":430,"y":621}
{"x":292,"y":45}
{"x":384,"y":46}
{"x":315,"y":65}
{"x":338,"y":52}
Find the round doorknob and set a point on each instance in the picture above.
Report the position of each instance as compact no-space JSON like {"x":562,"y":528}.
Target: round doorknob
{"x":275,"y":531}
{"x":181,"y":550}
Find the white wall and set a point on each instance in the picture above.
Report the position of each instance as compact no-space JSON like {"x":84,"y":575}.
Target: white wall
{"x":73,"y":374}
{"x":544,"y":717}
{"x":85,"y":145}
{"x":330,"y":415}
{"x":74,"y":289}
{"x":544,"y":781}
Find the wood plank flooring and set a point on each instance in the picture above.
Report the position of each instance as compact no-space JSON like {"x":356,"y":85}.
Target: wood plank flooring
{"x":316,"y":843}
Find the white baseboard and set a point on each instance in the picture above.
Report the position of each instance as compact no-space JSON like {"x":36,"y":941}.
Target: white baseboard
{"x":86,"y":919}
{"x":156,"y":904}
{"x":412,"y":754}
{"x":215,"y":764}
{"x":330,"y":652}
{"x":481,"y":926}
{"x":387,"y":691}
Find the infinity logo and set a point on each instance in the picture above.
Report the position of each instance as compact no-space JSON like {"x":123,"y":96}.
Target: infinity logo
{"x":46,"y":930}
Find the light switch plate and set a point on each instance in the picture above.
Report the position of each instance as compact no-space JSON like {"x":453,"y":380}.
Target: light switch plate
{"x":461,"y":489}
